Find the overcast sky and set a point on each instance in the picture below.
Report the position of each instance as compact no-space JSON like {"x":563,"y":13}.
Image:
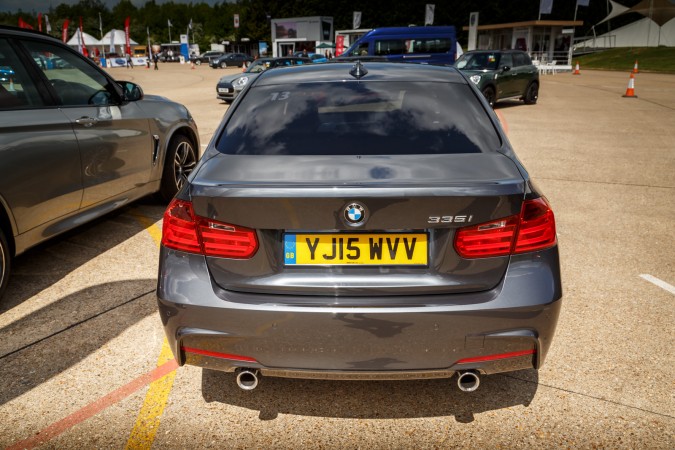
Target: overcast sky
{"x":29,"y":6}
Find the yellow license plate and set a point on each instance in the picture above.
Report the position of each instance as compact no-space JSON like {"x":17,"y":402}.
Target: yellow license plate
{"x":306,"y":249}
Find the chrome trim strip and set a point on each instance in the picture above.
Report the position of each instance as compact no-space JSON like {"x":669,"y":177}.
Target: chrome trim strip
{"x":358,"y":375}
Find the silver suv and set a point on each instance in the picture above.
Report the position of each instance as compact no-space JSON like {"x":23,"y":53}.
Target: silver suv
{"x":76,"y":144}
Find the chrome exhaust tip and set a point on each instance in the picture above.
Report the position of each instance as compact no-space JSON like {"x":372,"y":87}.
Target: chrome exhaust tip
{"x":468,"y":381}
{"x":247,"y":379}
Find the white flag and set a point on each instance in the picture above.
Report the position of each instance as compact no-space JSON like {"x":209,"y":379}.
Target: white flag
{"x":429,"y":15}
{"x":357,"y":20}
{"x":545,"y":6}
{"x":169,"y":22}
{"x":112,"y":41}
{"x":49,"y":27}
{"x":190,"y":26}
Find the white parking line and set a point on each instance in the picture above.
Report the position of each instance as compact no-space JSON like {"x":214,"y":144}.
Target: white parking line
{"x":660,"y":283}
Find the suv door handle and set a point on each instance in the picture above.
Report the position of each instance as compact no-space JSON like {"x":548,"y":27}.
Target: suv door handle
{"x":86,"y":121}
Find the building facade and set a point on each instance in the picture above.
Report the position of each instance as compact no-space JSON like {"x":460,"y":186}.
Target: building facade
{"x":301,"y":33}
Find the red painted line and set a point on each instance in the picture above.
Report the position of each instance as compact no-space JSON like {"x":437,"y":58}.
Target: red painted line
{"x":95,"y":407}
{"x":502,"y":120}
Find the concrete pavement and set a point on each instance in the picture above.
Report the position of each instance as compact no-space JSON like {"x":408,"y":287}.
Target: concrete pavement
{"x":79,"y":321}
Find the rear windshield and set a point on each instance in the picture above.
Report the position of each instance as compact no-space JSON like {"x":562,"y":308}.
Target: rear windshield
{"x":359,"y":118}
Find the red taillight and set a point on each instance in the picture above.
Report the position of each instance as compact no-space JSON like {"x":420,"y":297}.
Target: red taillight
{"x":487,"y":239}
{"x":533,"y":229}
{"x":537,"y":227}
{"x":183,"y":230}
{"x":179,"y":230}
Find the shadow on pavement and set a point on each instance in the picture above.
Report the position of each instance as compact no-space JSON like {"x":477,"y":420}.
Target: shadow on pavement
{"x":44,"y":265}
{"x":57,"y":337}
{"x":372,"y":399}
{"x":46,"y":331}
{"x":505,"y":104}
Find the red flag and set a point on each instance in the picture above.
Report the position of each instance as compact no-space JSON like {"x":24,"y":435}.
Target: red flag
{"x":64,"y":33}
{"x":24,"y":24}
{"x":40,"y":22}
{"x":83,"y":45}
{"x":339,"y":45}
{"x":126,"y":33}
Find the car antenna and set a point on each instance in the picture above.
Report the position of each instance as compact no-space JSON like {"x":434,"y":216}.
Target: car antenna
{"x":358,"y":71}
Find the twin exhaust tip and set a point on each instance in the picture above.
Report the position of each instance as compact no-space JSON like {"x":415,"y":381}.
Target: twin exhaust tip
{"x":248,"y":379}
{"x":468,"y":381}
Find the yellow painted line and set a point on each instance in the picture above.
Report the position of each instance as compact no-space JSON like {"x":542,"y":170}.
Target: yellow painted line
{"x":150,"y":226}
{"x":148,"y":420}
{"x":147,"y":423}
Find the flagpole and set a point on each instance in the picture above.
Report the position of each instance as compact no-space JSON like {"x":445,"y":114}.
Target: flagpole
{"x":574,"y":33}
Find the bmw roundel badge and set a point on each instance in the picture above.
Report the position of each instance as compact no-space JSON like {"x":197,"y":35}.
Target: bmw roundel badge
{"x":355,"y":214}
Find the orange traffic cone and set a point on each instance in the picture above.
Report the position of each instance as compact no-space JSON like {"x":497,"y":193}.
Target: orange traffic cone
{"x":635,"y":67}
{"x":630,"y":91}
{"x":576,"y":70}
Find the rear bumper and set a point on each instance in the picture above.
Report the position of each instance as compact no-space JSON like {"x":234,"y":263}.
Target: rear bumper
{"x":507,"y":328}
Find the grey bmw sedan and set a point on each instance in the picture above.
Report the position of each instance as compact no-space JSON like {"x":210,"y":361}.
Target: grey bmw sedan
{"x":360,"y":220}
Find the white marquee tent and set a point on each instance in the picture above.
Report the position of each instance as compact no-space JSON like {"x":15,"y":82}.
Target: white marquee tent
{"x":117,"y":40}
{"x":642,"y":33}
{"x":655,"y":29}
{"x":88,"y":40}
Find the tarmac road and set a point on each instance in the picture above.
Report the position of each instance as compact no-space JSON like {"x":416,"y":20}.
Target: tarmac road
{"x":81,"y":358}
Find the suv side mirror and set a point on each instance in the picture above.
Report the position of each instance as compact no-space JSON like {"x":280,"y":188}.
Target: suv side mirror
{"x":506,"y":68}
{"x":132,"y":91}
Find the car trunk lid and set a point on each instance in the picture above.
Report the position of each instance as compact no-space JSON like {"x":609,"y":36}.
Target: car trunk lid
{"x":416,"y":200}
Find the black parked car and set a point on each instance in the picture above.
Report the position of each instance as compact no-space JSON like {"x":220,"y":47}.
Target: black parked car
{"x":205,"y":57}
{"x":230,"y":86}
{"x":231,"y":60}
{"x":501,"y":74}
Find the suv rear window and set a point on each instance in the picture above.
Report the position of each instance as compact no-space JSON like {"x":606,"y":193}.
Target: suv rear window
{"x":521,"y":59}
{"x":412,"y":46}
{"x":359,"y":118}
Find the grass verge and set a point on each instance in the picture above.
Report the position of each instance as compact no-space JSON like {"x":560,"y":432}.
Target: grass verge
{"x":650,"y":59}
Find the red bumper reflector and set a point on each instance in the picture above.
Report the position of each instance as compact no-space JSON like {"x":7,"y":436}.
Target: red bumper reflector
{"x":497,"y":356}
{"x":218,"y":354}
